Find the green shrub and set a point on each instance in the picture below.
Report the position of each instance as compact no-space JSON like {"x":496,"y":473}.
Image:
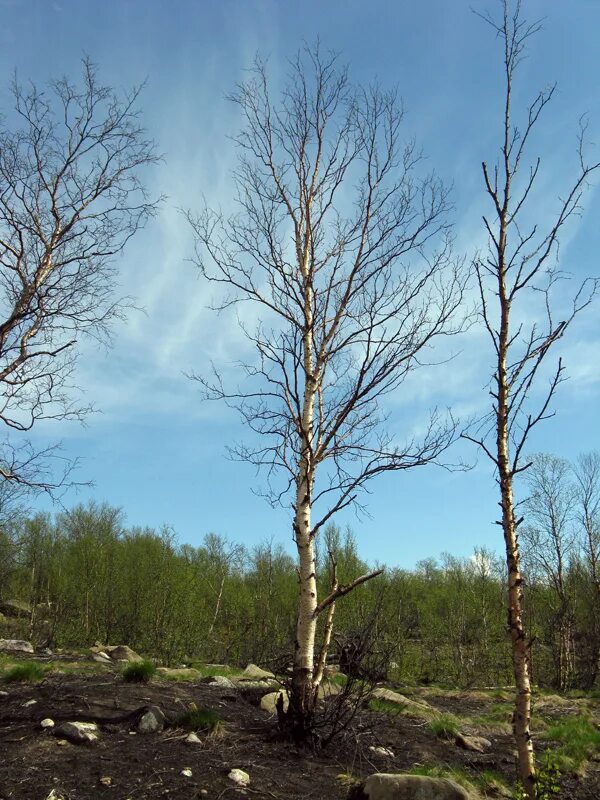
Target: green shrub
{"x":199,"y":719}
{"x":445,"y":726}
{"x":548,"y":779}
{"x":28,"y":671}
{"x":579,"y":738}
{"x":139,"y":672}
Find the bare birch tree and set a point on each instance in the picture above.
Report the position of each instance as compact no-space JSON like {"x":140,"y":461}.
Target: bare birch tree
{"x":344,"y":251}
{"x":70,"y":199}
{"x":517,"y":281}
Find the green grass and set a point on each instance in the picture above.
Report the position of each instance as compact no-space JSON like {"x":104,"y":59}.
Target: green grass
{"x":385,"y":706}
{"x":454,"y":773}
{"x":199,"y":719}
{"x":339,"y":678}
{"x":139,"y":672}
{"x":578,"y":739}
{"x":446,"y":726}
{"x":26,"y":672}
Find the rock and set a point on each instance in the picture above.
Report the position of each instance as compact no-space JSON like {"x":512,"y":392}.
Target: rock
{"x":101,"y":658}
{"x":179,"y":673}
{"x":476,"y":744}
{"x":239,"y":776}
{"x":47,"y":723}
{"x":187,"y":772}
{"x":384,"y":786}
{"x":123,"y":653}
{"x":54,"y":795}
{"x":219,"y":680}
{"x":3,"y":693}
{"x":254,"y":673}
{"x":382,"y":751}
{"x":193,"y":738}
{"x":153,"y":721}
{"x":106,"y":780}
{"x":29,"y":703}
{"x":15,"y":608}
{"x":77,"y":732}
{"x":16,"y":646}
{"x":399,"y":699}
{"x":328,"y":689}
{"x":268,"y":702}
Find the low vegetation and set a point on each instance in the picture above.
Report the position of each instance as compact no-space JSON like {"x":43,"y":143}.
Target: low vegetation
{"x":26,"y":672}
{"x":139,"y":672}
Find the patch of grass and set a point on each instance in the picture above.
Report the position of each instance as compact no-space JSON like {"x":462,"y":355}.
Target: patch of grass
{"x":578,"y":739}
{"x":454,"y":773}
{"x":491,"y":782}
{"x":385,"y":706}
{"x":25,"y":672}
{"x":139,"y":672}
{"x":446,"y":726}
{"x":208,"y":670}
{"x":339,"y":678}
{"x":199,"y":719}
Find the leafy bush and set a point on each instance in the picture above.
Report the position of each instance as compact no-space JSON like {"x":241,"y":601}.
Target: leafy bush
{"x":28,"y":671}
{"x":548,"y":779}
{"x":139,"y":672}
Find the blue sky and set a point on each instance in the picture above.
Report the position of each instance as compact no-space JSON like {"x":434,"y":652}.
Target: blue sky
{"x":155,"y":449}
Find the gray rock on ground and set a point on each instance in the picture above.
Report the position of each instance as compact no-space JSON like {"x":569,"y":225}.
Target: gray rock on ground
{"x":15,"y":609}
{"x":15,"y":646}
{"x":476,"y":744}
{"x":239,"y":776}
{"x":388,"y":786}
{"x":254,"y":673}
{"x":268,"y":702}
{"x":153,"y":721}
{"x":77,"y":732}
{"x":179,"y":673}
{"x":219,"y":680}
{"x":390,"y":696}
{"x":123,"y":652}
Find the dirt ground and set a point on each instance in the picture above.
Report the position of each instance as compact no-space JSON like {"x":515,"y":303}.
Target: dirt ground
{"x":33,"y":762}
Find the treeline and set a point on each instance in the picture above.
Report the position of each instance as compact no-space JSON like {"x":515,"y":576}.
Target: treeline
{"x":85,"y":577}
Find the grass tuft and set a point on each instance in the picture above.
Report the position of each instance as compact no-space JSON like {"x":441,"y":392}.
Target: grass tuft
{"x":139,"y":672}
{"x":199,"y":719}
{"x":445,"y":726}
{"x":27,"y":672}
{"x":579,"y":739}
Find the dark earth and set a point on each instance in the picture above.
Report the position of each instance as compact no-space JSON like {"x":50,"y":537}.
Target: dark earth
{"x":36,"y":765}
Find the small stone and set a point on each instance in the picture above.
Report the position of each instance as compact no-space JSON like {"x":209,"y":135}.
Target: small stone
{"x":29,"y":703}
{"x":239,"y":776}
{"x":3,"y":694}
{"x":106,"y":780}
{"x":47,"y":723}
{"x":187,"y":772}
{"x":153,"y":721}
{"x":193,"y":738}
{"x":382,"y":751}
{"x":475,"y":744}
{"x":77,"y":732}
{"x":219,"y":680}
{"x":203,"y":791}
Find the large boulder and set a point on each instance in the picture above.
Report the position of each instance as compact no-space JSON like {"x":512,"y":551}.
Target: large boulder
{"x":328,"y":689}
{"x":15,"y":608}
{"x":77,"y":732}
{"x":416,"y":706}
{"x":388,"y":786}
{"x":254,"y":673}
{"x":15,"y":646}
{"x":123,"y":653}
{"x":268,"y":702}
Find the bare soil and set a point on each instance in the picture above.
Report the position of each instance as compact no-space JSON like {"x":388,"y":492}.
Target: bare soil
{"x":141,"y":767}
